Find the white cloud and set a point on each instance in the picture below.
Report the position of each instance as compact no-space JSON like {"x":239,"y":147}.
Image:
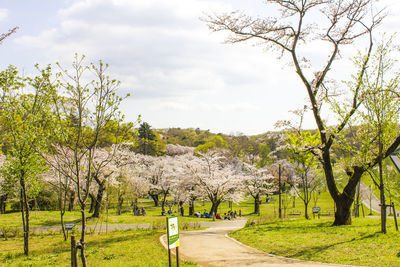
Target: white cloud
{"x":178,"y":72}
{"x":3,"y":14}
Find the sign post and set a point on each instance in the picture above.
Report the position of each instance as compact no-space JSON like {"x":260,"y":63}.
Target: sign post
{"x":316,"y":210}
{"x":173,"y":238}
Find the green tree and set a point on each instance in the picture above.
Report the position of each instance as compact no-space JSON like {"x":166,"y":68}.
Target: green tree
{"x":380,"y":116}
{"x":305,"y":164}
{"x":212,"y":143}
{"x":149,"y":142}
{"x":22,"y":126}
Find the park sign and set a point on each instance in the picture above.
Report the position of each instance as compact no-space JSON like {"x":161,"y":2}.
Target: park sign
{"x":315,"y":210}
{"x":173,"y":232}
{"x":69,"y":226}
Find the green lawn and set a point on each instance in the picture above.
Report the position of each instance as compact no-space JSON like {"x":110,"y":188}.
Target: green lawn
{"x":118,"y":248}
{"x":316,"y":240}
{"x":153,"y":214}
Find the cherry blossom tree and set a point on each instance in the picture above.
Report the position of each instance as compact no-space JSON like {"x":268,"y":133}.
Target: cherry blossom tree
{"x":257,"y":182}
{"x":174,"y":150}
{"x":216,"y":178}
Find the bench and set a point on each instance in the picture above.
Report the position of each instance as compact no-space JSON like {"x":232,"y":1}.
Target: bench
{"x":325,"y":213}
{"x":294,"y":213}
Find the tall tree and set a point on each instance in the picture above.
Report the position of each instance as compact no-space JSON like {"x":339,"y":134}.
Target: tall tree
{"x":22,"y":125}
{"x":339,"y":23}
{"x":380,"y":116}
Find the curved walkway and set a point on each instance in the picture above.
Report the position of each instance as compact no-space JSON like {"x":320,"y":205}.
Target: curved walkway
{"x":213,"y":247}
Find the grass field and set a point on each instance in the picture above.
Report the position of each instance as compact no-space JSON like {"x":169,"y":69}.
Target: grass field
{"x":142,"y":247}
{"x":317,"y":240}
{"x":117,"y":248}
{"x":153,"y":214}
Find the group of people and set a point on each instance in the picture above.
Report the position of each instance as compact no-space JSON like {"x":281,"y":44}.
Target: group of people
{"x":230,"y":215}
{"x":202,"y":215}
{"x":139,"y":211}
{"x":227,"y":216}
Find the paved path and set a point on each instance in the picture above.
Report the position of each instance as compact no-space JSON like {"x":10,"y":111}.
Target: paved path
{"x":95,"y":228}
{"x":365,"y":195}
{"x":212,"y":247}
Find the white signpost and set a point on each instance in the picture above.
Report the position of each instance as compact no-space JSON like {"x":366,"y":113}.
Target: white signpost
{"x":173,"y":238}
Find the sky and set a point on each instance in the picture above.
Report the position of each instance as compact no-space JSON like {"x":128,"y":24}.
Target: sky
{"x":178,"y":73}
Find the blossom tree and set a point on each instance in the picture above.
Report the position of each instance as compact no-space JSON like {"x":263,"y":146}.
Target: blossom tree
{"x":257,"y":182}
{"x":216,"y":178}
{"x":159,"y":172}
{"x":3,"y":190}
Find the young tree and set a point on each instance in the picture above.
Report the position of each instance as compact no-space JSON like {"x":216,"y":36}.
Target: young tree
{"x":82,"y":111}
{"x":22,"y":125}
{"x":339,"y":23}
{"x":305,"y":163}
{"x":380,"y":116}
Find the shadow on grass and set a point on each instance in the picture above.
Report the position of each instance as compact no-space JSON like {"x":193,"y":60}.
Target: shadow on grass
{"x":310,"y":252}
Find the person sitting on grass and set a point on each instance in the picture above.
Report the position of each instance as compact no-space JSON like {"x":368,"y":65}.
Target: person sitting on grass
{"x":218,"y":217}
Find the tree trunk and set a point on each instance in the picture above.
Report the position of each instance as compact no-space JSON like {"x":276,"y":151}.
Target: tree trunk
{"x":92,"y":202}
{"x":214,"y":206}
{"x":25,"y":215}
{"x":163,"y":203}
{"x":61,"y":206}
{"x":83,"y":234}
{"x":63,"y":226}
{"x":3,"y":201}
{"x":344,"y":200}
{"x":382,"y":198}
{"x":99,"y":200}
{"x":181,"y":208}
{"x":119,"y":206}
{"x":257,"y":204}
{"x":343,"y":211}
{"x":155,"y":199}
{"x":71,"y":201}
{"x":306,"y":210}
{"x":191,"y":207}
{"x":280,"y":192}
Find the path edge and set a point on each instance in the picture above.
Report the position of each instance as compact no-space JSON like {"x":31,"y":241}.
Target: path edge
{"x":173,"y":251}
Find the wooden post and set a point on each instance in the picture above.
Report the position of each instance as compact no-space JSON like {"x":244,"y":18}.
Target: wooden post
{"x":395,"y":216}
{"x":280,"y":197}
{"x":362,"y":208}
{"x":169,"y":257}
{"x":74,"y":254}
{"x":177,"y":257}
